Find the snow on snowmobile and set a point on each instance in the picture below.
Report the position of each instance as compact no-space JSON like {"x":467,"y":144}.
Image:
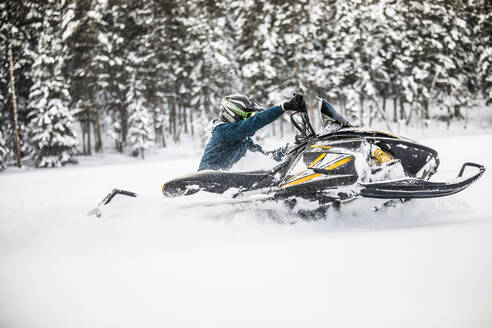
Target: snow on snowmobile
{"x":340,"y":164}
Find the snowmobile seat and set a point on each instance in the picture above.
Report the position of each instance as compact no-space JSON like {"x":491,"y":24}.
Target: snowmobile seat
{"x":211,"y":181}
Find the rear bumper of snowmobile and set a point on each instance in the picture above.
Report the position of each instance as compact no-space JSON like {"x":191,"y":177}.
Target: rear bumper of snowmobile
{"x":417,"y":188}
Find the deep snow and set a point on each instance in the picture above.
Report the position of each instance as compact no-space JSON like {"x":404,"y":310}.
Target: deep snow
{"x":149,"y":264}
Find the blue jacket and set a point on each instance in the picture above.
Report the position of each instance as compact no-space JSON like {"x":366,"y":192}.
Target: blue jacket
{"x":230,"y":141}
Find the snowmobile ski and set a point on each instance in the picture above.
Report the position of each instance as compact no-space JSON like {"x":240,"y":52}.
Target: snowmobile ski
{"x":109,"y":197}
{"x":417,"y":188}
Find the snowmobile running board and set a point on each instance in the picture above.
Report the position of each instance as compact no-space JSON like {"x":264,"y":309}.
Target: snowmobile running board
{"x":109,"y":197}
{"x":416,"y":188}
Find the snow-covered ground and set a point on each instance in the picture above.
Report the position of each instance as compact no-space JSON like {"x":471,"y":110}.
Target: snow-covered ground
{"x":150,"y":264}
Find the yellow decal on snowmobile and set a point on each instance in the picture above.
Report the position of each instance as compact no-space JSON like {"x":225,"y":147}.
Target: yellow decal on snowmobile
{"x":163,"y":186}
{"x":340,"y":163}
{"x":301,"y":180}
{"x":310,"y":165}
{"x":316,"y":175}
{"x":324,"y":147}
{"x":295,"y":176}
{"x":317,"y":160}
{"x":387,"y":133}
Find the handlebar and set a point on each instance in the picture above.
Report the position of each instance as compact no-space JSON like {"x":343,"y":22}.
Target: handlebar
{"x":306,"y":129}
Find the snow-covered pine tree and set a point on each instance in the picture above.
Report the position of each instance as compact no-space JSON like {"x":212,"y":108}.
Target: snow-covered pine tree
{"x":3,"y":151}
{"x":396,"y":54}
{"x":484,"y":31}
{"x":19,"y":28}
{"x":210,"y":56}
{"x":168,"y":87}
{"x":4,"y":126}
{"x":422,"y":43}
{"x":257,"y":48}
{"x":441,"y":58}
{"x":370,"y":26}
{"x":51,"y":130}
{"x":257,"y":44}
{"x":141,"y":130}
{"x":350,"y":32}
{"x":117,"y":35}
{"x":3,"y":87}
{"x":329,"y":69}
{"x":292,"y":22}
{"x":160,"y":46}
{"x":458,"y":60}
{"x":92,"y":59}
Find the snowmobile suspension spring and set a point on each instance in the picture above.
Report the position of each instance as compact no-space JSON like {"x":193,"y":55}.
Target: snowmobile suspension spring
{"x":381,"y":156}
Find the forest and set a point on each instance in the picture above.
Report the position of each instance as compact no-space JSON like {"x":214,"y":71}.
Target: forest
{"x":79,"y":77}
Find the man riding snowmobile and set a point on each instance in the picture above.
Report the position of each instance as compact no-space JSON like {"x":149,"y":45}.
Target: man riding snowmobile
{"x":336,"y":165}
{"x":240,"y":118}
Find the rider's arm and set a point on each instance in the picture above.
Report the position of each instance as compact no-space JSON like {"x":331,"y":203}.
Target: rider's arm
{"x":246,"y":128}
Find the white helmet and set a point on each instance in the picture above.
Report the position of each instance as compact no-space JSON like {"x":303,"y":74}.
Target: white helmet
{"x":234,"y":108}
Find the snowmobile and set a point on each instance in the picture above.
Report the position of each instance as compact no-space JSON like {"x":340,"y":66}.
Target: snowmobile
{"x":339,"y":164}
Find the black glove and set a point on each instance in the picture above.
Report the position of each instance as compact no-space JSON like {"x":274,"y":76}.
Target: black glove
{"x":296,"y":104}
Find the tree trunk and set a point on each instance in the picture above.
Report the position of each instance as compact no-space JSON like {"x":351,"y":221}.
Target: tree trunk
{"x":157,"y":124}
{"x":185,"y":119}
{"x":97,"y":132}
{"x":448,"y":119}
{"x":361,"y":109}
{"x":179,"y":113}
{"x":402,"y":108}
{"x":426,"y":114}
{"x":172,"y":118}
{"x":192,"y":128}
{"x":14,"y":108}
{"x":88,"y":129}
{"x":84,"y":150}
{"x":372,"y":114}
{"x":395,"y":109}
{"x":169,"y":106}
{"x":384,"y":102}
{"x":457,"y":112}
{"x":426,"y":110}
{"x":163,"y":129}
{"x":124,"y":126}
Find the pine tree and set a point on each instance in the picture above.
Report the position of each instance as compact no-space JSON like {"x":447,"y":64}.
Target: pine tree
{"x":141,"y":130}
{"x":4,"y":151}
{"x":350,"y":40}
{"x":209,"y":56}
{"x":19,"y":27}
{"x":89,"y":65}
{"x":396,"y":51}
{"x":168,"y":85}
{"x":256,"y":48}
{"x":293,"y":21}
{"x":51,"y":125}
{"x":458,"y":60}
{"x":484,"y":31}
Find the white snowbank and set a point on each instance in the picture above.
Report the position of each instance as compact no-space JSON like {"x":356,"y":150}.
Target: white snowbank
{"x":149,"y":264}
